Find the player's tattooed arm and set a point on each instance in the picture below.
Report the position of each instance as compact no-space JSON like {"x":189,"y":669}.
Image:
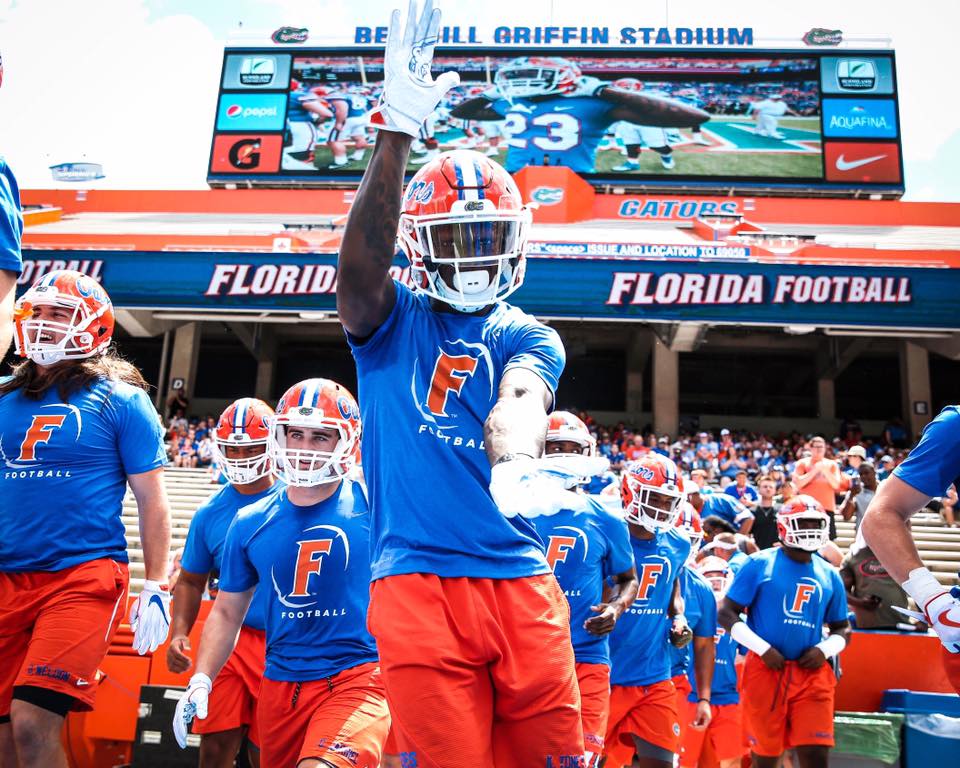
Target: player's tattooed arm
{"x":517,"y":423}
{"x":8,"y":285}
{"x":479,"y":108}
{"x":365,"y":292}
{"x":649,"y":110}
{"x":617,"y":599}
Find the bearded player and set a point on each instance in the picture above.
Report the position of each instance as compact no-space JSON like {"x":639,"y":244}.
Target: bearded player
{"x":553,"y":114}
{"x":321,"y":703}
{"x":77,"y":427}
{"x":455,"y":386}
{"x":240,"y":450}
{"x":789,"y":594}
{"x":587,"y":545}
{"x":930,"y":469}
{"x":643,"y":700}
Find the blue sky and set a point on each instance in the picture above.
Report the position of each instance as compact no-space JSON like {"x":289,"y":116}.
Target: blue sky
{"x":132,"y":84}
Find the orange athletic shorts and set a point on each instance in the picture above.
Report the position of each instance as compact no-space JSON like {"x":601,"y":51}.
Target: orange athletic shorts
{"x":789,"y":708}
{"x":647,"y":711}
{"x":233,"y":700}
{"x":724,"y":734}
{"x":478,"y":671}
{"x":56,"y":627}
{"x":594,"y":681}
{"x":682,"y":684}
{"x":343,"y":720}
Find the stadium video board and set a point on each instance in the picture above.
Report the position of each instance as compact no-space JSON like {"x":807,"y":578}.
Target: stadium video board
{"x":802,"y":120}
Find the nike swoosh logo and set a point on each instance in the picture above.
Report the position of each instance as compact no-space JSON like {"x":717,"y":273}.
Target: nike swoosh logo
{"x":849,"y":165}
{"x":946,"y":621}
{"x":154,"y":599}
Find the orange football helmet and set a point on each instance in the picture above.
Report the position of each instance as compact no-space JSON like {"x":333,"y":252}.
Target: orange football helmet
{"x":718,"y":572}
{"x":793,"y":533}
{"x":688,"y":521}
{"x":651,"y":492}
{"x":628,"y":84}
{"x":564,"y":426}
{"x":245,"y":422}
{"x":528,"y":76}
{"x":464,"y":229}
{"x":315,"y":404}
{"x":84,"y":330}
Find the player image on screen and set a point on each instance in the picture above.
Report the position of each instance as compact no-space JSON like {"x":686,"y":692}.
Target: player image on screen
{"x":306,"y":110}
{"x":555,"y":115}
{"x":350,"y":106}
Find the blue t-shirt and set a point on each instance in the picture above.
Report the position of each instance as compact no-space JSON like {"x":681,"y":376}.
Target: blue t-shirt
{"x":700,"y":610}
{"x":638,"y":646}
{"x":789,"y":602}
{"x":203,"y":552}
{"x":725,"y":506}
{"x":934,"y":464}
{"x":11,"y":221}
{"x":737,"y":561}
{"x":748,"y":492}
{"x":585,"y":545}
{"x":724,"y":687}
{"x":314,"y":565}
{"x":599,"y":482}
{"x":65,"y":473}
{"x":295,"y":109}
{"x":427,"y":381}
{"x":564,"y":130}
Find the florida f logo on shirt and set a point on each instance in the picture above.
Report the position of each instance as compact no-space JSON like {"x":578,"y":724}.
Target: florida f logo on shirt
{"x":560,"y":546}
{"x":440,"y":382}
{"x":806,"y":592}
{"x":309,"y":563}
{"x":43,"y":428}
{"x":650,"y":576}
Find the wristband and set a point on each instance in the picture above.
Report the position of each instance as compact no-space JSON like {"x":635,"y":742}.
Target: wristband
{"x":201,"y":679}
{"x":832,"y":646}
{"x":510,"y":457}
{"x":742,"y":634}
{"x":703,"y":699}
{"x":923,"y":587}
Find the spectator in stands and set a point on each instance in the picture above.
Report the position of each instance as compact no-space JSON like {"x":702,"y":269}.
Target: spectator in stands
{"x":785,"y":491}
{"x":179,"y":420}
{"x":742,"y":491}
{"x":186,"y":455}
{"x":733,"y":548}
{"x":700,"y":477}
{"x":177,"y":402}
{"x":205,"y":450}
{"x":662,"y":447}
{"x":895,"y":434}
{"x":704,"y":462}
{"x":636,"y":449}
{"x":821,"y":478}
{"x":861,"y":493}
{"x":872,"y":593}
{"x":850,"y":432}
{"x":729,"y":463}
{"x":705,"y":441}
{"x":764,"y":529}
{"x":856,"y":455}
{"x":886,"y":467}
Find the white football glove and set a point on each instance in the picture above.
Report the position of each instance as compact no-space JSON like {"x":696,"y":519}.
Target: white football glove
{"x":192,"y":704}
{"x":941,"y":608}
{"x":537,"y":487}
{"x":587,"y":86}
{"x":150,"y":617}
{"x":410,"y":94}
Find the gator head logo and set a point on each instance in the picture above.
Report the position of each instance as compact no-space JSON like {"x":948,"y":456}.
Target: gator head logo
{"x":290,"y":35}
{"x":547,"y":195}
{"x":821,"y":36}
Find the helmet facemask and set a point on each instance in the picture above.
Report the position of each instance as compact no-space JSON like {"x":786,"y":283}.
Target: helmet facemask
{"x":47,"y":342}
{"x":468,"y":261}
{"x":241,"y":471}
{"x":525,"y":80}
{"x":810,"y":538}
{"x":652,"y":507}
{"x":322,"y":467}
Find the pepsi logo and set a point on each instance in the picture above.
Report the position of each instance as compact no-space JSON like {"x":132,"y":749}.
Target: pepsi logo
{"x":234,"y":110}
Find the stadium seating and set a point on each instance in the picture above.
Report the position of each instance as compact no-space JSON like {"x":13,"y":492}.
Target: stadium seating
{"x":187,"y":489}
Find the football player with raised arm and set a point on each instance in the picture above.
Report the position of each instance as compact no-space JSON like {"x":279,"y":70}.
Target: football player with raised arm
{"x":455,"y":384}
{"x":643,"y":699}
{"x":789,"y":594}
{"x":240,"y":451}
{"x":586,"y":545}
{"x":321,"y":704}
{"x":928,"y":471}
{"x":76,"y":426}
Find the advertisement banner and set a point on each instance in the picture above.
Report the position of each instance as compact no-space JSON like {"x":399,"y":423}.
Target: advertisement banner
{"x":860,"y":118}
{"x":857,"y":75}
{"x":256,"y":71}
{"x":593,"y":288}
{"x":251,"y":112}
{"x":862,"y":161}
{"x":246,"y":153}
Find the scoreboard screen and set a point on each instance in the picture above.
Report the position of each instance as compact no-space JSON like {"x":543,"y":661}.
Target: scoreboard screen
{"x":802,"y":121}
